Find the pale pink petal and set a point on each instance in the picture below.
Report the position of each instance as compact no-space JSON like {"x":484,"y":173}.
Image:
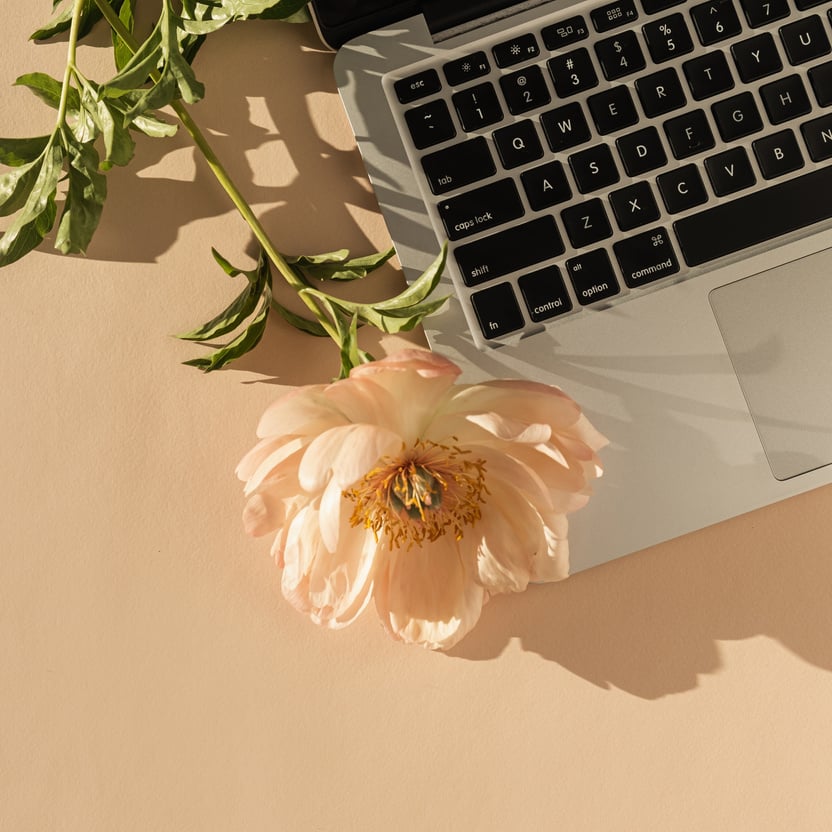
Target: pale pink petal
{"x":553,"y":564}
{"x":286,"y":454}
{"x":330,"y":587}
{"x":262,"y":514}
{"x":428,"y":595}
{"x":346,"y":455}
{"x":504,"y":467}
{"x":304,"y":409}
{"x":511,"y":430}
{"x":511,"y":537}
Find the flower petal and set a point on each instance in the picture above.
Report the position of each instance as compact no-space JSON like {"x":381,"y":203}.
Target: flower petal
{"x":553,"y":564}
{"x":345,"y":454}
{"x":511,"y":537}
{"x":427,"y":594}
{"x":332,"y":588}
{"x":304,"y":409}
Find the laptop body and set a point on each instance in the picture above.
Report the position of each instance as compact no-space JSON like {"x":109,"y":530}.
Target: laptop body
{"x":712,"y":379}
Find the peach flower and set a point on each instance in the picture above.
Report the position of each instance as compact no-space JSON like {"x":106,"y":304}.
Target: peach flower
{"x":427,"y":496}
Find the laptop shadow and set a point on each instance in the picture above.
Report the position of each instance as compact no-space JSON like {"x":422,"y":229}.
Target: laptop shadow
{"x":651,"y":624}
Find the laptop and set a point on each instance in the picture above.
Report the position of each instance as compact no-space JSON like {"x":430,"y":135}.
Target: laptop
{"x":637,"y":199}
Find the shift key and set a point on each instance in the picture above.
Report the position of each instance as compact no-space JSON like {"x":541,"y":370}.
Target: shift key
{"x":481,"y":209}
{"x":509,"y":251}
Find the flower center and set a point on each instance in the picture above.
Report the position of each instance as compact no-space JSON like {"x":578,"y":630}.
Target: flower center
{"x":425,"y":492}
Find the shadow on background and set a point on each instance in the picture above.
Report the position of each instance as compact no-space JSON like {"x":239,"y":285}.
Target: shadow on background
{"x":650,"y":623}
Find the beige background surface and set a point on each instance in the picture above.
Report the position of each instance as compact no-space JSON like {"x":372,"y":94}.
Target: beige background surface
{"x":153,"y":678}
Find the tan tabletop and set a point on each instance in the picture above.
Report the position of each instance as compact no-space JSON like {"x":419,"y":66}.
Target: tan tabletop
{"x":151,"y":675}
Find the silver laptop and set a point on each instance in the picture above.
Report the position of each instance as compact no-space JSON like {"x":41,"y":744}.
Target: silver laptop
{"x":637,"y":196}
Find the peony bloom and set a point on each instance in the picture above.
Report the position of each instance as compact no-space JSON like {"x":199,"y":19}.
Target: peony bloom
{"x":429,"y":497}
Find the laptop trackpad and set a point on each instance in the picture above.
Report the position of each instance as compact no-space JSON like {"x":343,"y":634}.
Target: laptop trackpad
{"x":777,"y":327}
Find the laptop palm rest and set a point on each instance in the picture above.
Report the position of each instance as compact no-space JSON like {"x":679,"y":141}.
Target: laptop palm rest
{"x":778,"y":333}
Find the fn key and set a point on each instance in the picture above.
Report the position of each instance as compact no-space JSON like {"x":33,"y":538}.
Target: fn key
{"x":497,"y":310}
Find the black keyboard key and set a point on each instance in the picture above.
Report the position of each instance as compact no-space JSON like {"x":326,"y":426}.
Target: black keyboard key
{"x":760,"y":12}
{"x":572,"y":73}
{"x":430,"y":124}
{"x":708,"y":75}
{"x":641,"y":151}
{"x":466,"y":69}
{"x":497,"y":310}
{"x":565,"y":33}
{"x":730,"y":171}
{"x":546,"y":185}
{"x":818,"y":137}
{"x":756,"y":57}
{"x":545,"y":294}
{"x":592,"y":276}
{"x":565,"y":127}
{"x":586,"y":223}
{"x":756,"y":217}
{"x":804,"y":40}
{"x":656,"y":6}
{"x":508,"y":251}
{"x":681,"y":189}
{"x":481,"y":209}
{"x":613,"y":15}
{"x":821,"y":79}
{"x":612,"y":110}
{"x":737,"y":116}
{"x":525,"y":90}
{"x":634,"y":206}
{"x":667,"y":38}
{"x":620,"y":55}
{"x":689,"y":134}
{"x":518,"y":144}
{"x":778,"y":154}
{"x":459,"y":165}
{"x":477,"y":107}
{"x":785,"y":99}
{"x":646,"y":257}
{"x":715,"y":21}
{"x":594,"y":168}
{"x":417,"y":86}
{"x":809,"y":4}
{"x":515,"y":51}
{"x":660,"y":92}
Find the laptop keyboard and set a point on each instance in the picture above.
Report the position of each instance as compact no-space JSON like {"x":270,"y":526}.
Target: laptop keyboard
{"x":601,"y":153}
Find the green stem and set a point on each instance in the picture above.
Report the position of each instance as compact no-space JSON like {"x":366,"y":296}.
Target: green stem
{"x":77,"y":9}
{"x":222,"y":176}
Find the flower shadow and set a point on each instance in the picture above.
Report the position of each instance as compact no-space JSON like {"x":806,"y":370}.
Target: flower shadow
{"x":650,"y":624}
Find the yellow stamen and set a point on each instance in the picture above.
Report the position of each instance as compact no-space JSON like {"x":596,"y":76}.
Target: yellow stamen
{"x":425,"y":492}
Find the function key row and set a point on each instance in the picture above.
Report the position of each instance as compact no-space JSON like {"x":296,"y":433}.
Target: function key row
{"x":666,"y":38}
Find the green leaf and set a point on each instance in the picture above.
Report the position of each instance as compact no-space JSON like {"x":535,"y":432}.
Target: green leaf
{"x":37,"y":215}
{"x":304,"y":324}
{"x":136,"y":72}
{"x":243,"y":343}
{"x":15,"y":187}
{"x":154,"y":127}
{"x":121,"y":51}
{"x":241,"y":307}
{"x":420,"y":288}
{"x":190,"y":89}
{"x":84,"y":199}
{"x":48,"y":89}
{"x":335,"y":265}
{"x":62,"y":20}
{"x":119,"y":145}
{"x":290,"y":11}
{"x":17,"y":152}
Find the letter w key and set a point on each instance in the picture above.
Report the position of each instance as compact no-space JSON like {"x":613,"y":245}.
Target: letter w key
{"x":565,"y":127}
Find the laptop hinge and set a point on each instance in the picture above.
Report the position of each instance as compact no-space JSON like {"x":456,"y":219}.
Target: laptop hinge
{"x":442,"y":16}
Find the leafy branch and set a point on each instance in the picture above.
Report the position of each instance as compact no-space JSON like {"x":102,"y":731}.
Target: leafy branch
{"x":94,"y":130}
